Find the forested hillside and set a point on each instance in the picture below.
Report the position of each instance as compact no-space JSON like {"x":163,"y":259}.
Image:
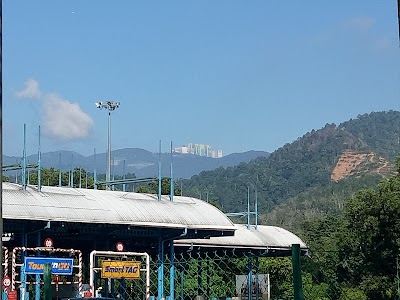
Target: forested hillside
{"x":296,"y":178}
{"x":355,"y":255}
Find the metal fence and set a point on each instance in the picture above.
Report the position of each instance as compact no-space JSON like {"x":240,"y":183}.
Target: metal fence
{"x":198,"y":275}
{"x":194,"y":276}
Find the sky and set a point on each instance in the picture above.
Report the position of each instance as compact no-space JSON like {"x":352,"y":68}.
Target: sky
{"x":236,"y":75}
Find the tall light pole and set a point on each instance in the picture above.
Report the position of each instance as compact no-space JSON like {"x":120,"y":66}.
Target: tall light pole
{"x":110,"y":106}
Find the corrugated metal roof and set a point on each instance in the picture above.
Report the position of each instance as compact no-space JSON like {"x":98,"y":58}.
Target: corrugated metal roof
{"x":262,"y":238}
{"x":110,"y":207}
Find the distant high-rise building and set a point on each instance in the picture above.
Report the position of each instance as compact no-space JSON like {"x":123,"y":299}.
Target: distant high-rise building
{"x":200,"y":150}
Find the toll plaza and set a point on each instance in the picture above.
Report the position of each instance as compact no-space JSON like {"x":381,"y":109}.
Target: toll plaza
{"x":132,"y":246}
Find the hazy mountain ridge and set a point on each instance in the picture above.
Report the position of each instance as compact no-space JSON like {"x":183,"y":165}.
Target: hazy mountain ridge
{"x":139,"y":161}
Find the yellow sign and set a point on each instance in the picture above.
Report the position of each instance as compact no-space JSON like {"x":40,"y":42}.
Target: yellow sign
{"x":120,"y":269}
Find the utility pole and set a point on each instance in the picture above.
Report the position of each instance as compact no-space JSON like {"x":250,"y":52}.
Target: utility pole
{"x":1,"y":135}
{"x":110,"y":106}
{"x":297,"y":282}
{"x":397,"y":277}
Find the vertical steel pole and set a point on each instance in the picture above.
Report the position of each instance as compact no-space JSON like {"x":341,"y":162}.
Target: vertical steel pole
{"x":159,"y":171}
{"x":208,"y":278}
{"x":199,"y":277}
{"x":124,"y":177}
{"x":94,"y":171}
{"x":39,"y":166}
{"x":257,"y":283}
{"x":398,"y":278}
{"x":37,"y":276}
{"x":59,"y":170}
{"x":172,"y":179}
{"x":80,"y":177}
{"x":47,"y":282}
{"x":160,"y":273}
{"x":72,"y":170}
{"x":24,"y":161}
{"x":248,"y":207}
{"x":250,"y":279}
{"x":1,"y":131}
{"x":183,"y":280}
{"x":108,"y":175}
{"x":172,"y":272}
{"x":297,"y":284}
{"x":398,"y":17}
{"x":256,"y":209}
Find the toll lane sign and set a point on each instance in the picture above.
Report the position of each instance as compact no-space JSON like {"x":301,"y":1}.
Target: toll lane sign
{"x":59,"y":266}
{"x":120,"y":269}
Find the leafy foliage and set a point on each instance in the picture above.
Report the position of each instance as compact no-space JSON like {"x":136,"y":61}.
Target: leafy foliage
{"x":152,"y":187}
{"x":356,"y":253}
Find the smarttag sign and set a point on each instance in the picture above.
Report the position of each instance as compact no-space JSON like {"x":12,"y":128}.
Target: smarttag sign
{"x":59,"y":266}
{"x":120,"y":269}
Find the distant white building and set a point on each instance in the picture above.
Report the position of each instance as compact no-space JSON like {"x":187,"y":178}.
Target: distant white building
{"x":200,"y":150}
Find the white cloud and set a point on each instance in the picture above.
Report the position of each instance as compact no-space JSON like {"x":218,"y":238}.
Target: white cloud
{"x":65,"y":120}
{"x":362,"y":23}
{"x":61,"y":119}
{"x":30,"y":90}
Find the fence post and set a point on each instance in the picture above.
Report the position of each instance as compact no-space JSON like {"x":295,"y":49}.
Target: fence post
{"x":47,"y":282}
{"x":297,"y":284}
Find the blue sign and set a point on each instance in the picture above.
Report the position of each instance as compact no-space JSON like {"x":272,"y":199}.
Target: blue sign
{"x":59,"y":266}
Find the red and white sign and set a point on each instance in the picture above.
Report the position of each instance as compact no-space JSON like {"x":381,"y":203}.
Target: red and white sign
{"x":6,"y":282}
{"x":87,"y":294}
{"x":48,"y":243}
{"x":119,"y":246}
{"x":12,"y":295}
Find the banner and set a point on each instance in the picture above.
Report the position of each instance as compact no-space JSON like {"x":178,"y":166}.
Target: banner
{"x":120,"y":269}
{"x":59,"y":266}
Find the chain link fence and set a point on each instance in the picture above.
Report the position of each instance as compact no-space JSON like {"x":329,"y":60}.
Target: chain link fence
{"x":194,"y":275}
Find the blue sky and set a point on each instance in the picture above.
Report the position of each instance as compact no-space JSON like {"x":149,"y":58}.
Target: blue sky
{"x":237,"y":75}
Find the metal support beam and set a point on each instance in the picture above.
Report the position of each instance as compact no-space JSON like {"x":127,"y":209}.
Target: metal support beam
{"x":159,"y":171}
{"x":1,"y":130}
{"x":248,"y":209}
{"x":160,"y":273}
{"x":172,"y":179}
{"x":297,"y":283}
{"x":59,"y":170}
{"x":250,"y":279}
{"x":24,"y":161}
{"x":172,"y":271}
{"x":39,"y":166}
{"x":94,"y":171}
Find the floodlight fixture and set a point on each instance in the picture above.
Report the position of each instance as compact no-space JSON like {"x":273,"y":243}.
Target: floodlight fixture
{"x":109,"y":105}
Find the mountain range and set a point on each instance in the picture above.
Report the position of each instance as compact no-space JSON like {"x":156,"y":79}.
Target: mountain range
{"x":141,"y":162}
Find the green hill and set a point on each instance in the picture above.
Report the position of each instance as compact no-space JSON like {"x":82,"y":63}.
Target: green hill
{"x":310,"y":176}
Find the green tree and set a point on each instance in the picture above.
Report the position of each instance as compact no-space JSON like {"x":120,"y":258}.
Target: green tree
{"x":152,"y":187}
{"x":370,"y":240}
{"x":352,"y":294}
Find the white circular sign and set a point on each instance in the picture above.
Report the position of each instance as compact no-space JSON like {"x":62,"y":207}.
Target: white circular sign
{"x":48,"y":243}
{"x":119,"y":246}
{"x":6,"y":281}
